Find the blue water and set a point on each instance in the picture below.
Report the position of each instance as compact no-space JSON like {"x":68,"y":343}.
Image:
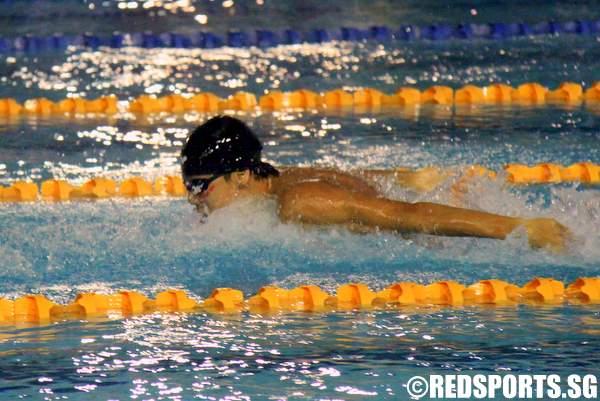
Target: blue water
{"x":60,"y":249}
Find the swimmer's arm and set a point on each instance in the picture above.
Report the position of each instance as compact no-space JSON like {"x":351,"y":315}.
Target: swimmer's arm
{"x":313,"y":203}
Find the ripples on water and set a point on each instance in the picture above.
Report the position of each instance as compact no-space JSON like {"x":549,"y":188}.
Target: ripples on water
{"x":133,"y":71}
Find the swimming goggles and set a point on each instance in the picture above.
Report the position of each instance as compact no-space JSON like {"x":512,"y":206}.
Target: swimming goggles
{"x":196,"y":184}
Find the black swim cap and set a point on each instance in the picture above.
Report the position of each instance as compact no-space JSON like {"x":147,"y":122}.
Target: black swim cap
{"x":220,"y":146}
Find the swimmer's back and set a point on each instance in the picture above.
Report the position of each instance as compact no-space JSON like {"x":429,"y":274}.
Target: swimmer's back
{"x":293,"y":176}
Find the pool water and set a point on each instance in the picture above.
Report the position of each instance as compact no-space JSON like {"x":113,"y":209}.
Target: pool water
{"x":60,"y":249}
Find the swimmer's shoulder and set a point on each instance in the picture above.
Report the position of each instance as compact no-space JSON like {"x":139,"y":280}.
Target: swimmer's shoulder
{"x":289,"y":178}
{"x":292,"y":175}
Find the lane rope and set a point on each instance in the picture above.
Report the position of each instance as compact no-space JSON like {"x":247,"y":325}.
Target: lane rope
{"x":310,"y":298}
{"x":528,"y":94}
{"x":264,"y":38}
{"x":100,"y":187}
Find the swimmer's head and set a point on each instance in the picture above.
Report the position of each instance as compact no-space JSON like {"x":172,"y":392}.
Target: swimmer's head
{"x":221,"y":151}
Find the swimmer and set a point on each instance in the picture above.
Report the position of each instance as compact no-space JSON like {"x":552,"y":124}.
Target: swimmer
{"x":221,"y":163}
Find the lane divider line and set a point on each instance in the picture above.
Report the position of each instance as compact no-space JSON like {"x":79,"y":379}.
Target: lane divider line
{"x":368,"y":99}
{"x":264,"y":38}
{"x":38,"y":309}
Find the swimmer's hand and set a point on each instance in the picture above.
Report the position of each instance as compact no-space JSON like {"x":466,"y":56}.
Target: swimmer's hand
{"x":547,"y":233}
{"x":423,"y":180}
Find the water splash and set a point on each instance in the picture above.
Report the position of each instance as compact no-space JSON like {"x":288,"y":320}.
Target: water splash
{"x":157,"y":243}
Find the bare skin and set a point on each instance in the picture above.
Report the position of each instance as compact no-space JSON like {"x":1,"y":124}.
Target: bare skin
{"x":329,"y":197}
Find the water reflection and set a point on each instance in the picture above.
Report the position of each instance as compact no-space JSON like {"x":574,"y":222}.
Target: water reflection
{"x":367,"y":354}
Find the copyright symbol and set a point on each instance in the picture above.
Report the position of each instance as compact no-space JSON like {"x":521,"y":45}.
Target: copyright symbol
{"x":417,"y":387}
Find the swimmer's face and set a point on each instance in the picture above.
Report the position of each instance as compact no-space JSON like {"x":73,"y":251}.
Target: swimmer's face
{"x":221,"y":192}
